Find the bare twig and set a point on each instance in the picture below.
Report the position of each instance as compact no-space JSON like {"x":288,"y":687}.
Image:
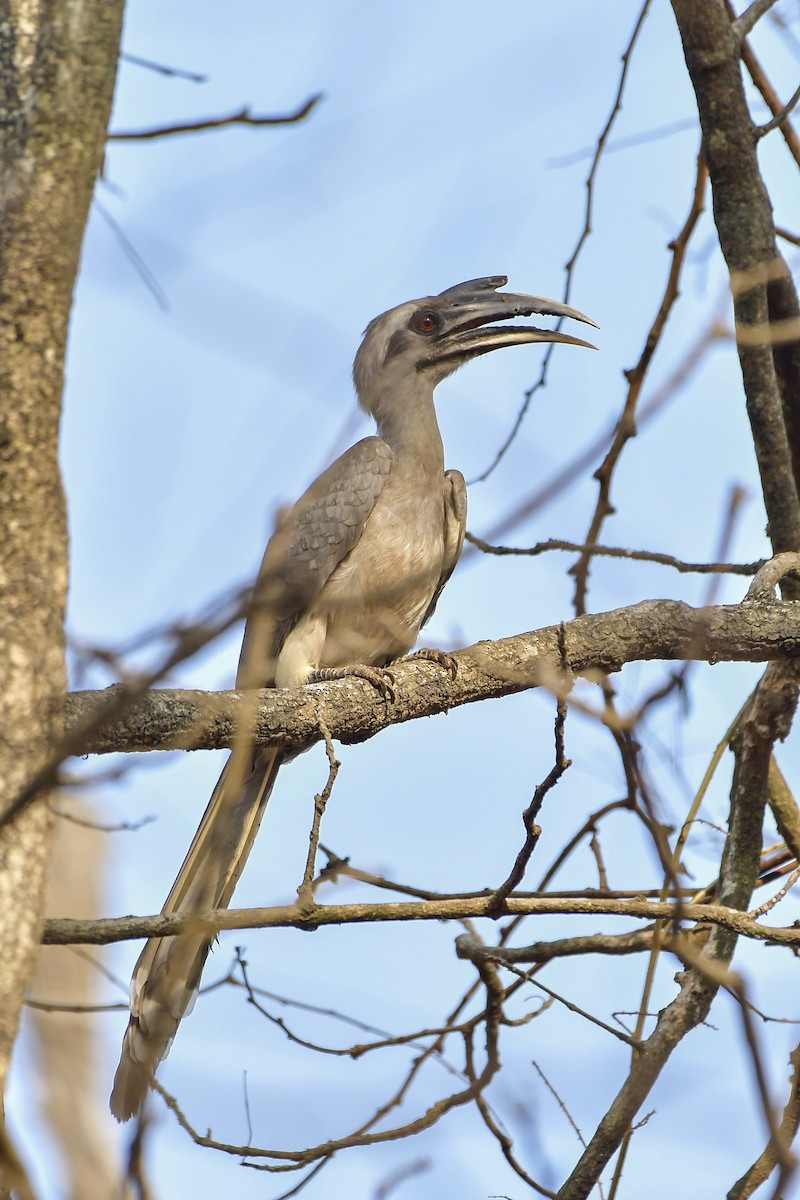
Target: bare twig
{"x":768,"y":93}
{"x":160,"y":69}
{"x":779,"y":117}
{"x":626,"y":426}
{"x":507,"y":1148}
{"x":305,"y":892}
{"x":281,"y":1160}
{"x":418,"y":1167}
{"x":773,"y":900}
{"x":614,"y":145}
{"x":754,"y":12}
{"x":768,"y":719}
{"x":559,"y":1102}
{"x":784,"y":808}
{"x":764,"y":1165}
{"x":575,"y":1008}
{"x":787,"y":235}
{"x":715,"y":332}
{"x":652,"y":556}
{"x":532,"y":830}
{"x":569,"y":268}
{"x":134,"y":257}
{"x":242,"y":116}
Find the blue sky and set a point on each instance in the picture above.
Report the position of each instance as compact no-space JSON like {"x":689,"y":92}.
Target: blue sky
{"x":434,"y":156}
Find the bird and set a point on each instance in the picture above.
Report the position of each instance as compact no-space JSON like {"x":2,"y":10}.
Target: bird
{"x":349,"y":577}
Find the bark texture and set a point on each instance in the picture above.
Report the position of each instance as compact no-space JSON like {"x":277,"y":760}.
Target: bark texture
{"x":122,"y":719}
{"x":57,"y":72}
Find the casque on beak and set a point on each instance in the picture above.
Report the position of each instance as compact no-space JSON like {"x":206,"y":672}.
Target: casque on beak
{"x":471,"y":307}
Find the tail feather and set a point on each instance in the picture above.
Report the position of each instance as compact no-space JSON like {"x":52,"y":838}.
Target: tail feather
{"x":167,"y":975}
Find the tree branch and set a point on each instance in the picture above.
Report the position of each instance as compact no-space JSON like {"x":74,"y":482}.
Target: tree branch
{"x":599,"y":551}
{"x":635,"y":376}
{"x":242,"y":116}
{"x":768,"y":718}
{"x":754,"y":12}
{"x":760,"y":281}
{"x":104,"y":930}
{"x":176,"y":719}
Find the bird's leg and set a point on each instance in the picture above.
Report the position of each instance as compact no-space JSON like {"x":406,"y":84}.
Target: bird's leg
{"x":380,"y":679}
{"x":428,"y":654}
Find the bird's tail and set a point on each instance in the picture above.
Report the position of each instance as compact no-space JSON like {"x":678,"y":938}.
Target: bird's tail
{"x":167,"y":975}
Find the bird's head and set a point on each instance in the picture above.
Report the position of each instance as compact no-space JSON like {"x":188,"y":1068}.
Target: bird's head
{"x":430,"y":338}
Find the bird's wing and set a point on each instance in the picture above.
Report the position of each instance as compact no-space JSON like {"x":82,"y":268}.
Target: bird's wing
{"x":308,"y":545}
{"x":455,"y":524}
{"x":306,"y":548}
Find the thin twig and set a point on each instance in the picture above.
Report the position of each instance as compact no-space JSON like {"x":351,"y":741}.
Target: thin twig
{"x":596,"y":550}
{"x":305,"y":892}
{"x":779,"y":117}
{"x":532,"y":830}
{"x":754,"y":12}
{"x":625,"y":143}
{"x":407,"y":1171}
{"x":787,"y":235}
{"x":160,"y":68}
{"x":714,"y":333}
{"x":626,"y":426}
{"x":768,"y":93}
{"x":569,"y":268}
{"x":773,"y":900}
{"x":773,"y":706}
{"x":764,"y":1165}
{"x":242,"y":116}
{"x":134,"y":257}
{"x":507,"y":1148}
{"x":575,"y":1008}
{"x":559,"y":1102}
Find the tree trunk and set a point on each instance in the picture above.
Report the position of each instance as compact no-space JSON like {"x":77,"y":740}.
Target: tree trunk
{"x":57,"y":71}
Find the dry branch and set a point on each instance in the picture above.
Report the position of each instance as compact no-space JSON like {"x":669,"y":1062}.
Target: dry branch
{"x":242,"y":116}
{"x":173,"y":719}
{"x":69,"y":932}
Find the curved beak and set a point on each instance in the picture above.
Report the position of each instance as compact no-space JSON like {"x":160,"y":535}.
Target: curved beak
{"x":470,"y":308}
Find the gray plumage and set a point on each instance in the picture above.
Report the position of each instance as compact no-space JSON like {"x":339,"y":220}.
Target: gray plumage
{"x":349,"y":577}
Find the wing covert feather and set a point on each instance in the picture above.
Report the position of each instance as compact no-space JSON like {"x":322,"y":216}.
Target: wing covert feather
{"x":316,"y":534}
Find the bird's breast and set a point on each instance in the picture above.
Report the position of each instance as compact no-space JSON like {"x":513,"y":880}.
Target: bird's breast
{"x":377,"y":598}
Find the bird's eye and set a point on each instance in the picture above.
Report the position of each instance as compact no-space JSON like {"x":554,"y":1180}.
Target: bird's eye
{"x":427,"y":322}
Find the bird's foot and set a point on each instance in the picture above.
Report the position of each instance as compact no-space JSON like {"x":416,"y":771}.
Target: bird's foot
{"x":380,"y":679}
{"x":446,"y":661}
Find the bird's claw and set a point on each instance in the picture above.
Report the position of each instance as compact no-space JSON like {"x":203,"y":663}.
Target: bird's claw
{"x":442,"y":659}
{"x":381,"y":679}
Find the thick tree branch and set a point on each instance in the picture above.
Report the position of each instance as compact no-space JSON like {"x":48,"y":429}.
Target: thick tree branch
{"x":101,"y":931}
{"x":762,"y":288}
{"x":353,"y":712}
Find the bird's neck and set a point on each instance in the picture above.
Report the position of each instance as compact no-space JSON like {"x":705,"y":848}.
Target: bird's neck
{"x":407,"y":423}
